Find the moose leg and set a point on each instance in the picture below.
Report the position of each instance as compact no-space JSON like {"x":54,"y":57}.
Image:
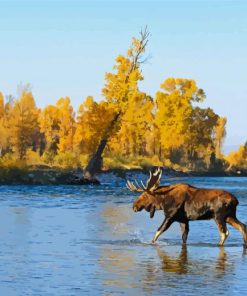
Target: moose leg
{"x":222,"y":230}
{"x":185,"y":231}
{"x":239,"y":226}
{"x":163,"y":227}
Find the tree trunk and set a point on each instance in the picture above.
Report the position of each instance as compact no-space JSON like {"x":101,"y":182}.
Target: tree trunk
{"x":95,"y":163}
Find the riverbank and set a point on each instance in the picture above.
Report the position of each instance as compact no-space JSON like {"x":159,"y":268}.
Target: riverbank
{"x":58,"y":176}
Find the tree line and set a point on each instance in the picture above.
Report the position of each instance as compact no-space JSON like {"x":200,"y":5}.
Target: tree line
{"x":170,"y":129}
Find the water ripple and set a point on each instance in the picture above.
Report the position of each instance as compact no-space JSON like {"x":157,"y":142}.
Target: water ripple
{"x":72,"y":240}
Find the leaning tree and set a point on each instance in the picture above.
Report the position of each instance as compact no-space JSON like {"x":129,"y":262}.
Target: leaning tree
{"x":120,"y":87}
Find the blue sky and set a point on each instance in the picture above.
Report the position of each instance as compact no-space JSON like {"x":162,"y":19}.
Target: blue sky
{"x":63,"y":48}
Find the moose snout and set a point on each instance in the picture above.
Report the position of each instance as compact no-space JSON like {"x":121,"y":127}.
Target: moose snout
{"x":135,"y":209}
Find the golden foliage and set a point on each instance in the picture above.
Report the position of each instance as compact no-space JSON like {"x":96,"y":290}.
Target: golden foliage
{"x":175,"y":109}
{"x":238,"y":158}
{"x":23,"y":123}
{"x":169,"y":129}
{"x":220,"y":133}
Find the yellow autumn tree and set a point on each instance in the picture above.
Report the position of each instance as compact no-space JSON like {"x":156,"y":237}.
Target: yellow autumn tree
{"x":220,"y":133}
{"x":23,"y":124}
{"x":199,"y":140}
{"x":1,"y":105}
{"x":92,"y":121}
{"x":238,"y":158}
{"x":174,"y":110}
{"x":49,"y":122}
{"x":3,"y":131}
{"x":66,"y":124}
{"x":136,"y":128}
{"x":120,"y":87}
{"x":5,"y":126}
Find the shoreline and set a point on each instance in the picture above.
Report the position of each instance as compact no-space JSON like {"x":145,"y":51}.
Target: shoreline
{"x":55,"y":176}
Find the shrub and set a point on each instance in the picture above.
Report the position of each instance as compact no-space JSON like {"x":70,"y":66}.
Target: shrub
{"x":83,"y":160}
{"x":138,"y":162}
{"x":238,"y":158}
{"x":8,"y":161}
{"x":49,"y":157}
{"x":12,"y":168}
{"x":67,"y":160}
{"x":147,"y":162}
{"x":33,"y":158}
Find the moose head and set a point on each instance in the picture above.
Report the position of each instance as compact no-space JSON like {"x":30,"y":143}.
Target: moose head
{"x":147,"y":199}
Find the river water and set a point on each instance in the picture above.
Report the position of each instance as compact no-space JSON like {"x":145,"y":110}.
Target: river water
{"x":72,"y":240}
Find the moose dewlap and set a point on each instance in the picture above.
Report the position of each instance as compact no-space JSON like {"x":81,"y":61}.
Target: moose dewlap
{"x":183,"y":203}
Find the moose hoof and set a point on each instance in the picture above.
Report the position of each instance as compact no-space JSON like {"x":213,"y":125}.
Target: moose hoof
{"x":154,"y":240}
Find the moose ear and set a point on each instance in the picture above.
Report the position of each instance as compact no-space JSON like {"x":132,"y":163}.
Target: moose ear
{"x":152,"y":211}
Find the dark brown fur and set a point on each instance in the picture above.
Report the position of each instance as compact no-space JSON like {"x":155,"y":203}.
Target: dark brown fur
{"x":183,"y":203}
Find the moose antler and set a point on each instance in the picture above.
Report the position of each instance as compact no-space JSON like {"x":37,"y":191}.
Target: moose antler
{"x":154,"y":180}
{"x":132,"y":187}
{"x":152,"y":183}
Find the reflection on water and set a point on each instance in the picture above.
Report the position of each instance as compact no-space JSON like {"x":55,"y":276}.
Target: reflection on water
{"x":221,"y":262}
{"x":87,"y":241}
{"x":182,"y":264}
{"x":178,"y":264}
{"x":174,"y":269}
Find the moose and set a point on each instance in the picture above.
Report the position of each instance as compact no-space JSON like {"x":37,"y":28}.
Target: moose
{"x":183,"y":203}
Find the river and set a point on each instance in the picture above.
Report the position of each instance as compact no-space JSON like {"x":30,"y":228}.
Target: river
{"x":72,"y":240}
